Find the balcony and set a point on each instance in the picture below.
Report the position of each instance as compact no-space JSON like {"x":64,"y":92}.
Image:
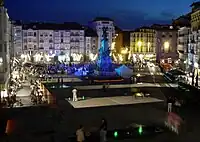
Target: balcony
{"x":180,"y":48}
{"x":52,"y":48}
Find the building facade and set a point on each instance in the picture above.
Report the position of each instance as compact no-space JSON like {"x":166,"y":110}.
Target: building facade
{"x":194,"y":38}
{"x":166,"y":43}
{"x":182,"y":46}
{"x":91,"y":44}
{"x":5,"y":48}
{"x":143,"y":43}
{"x":64,"y":42}
{"x":118,"y":40}
{"x":101,"y":22}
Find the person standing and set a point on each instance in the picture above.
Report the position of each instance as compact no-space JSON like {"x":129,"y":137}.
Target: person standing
{"x":103,"y":130}
{"x":74,"y":92}
{"x":169,"y":105}
{"x":80,"y":137}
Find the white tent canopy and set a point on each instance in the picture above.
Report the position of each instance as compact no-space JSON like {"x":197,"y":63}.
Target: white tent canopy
{"x":124,"y":71}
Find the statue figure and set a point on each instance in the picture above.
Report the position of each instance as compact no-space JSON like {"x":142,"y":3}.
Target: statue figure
{"x":74,"y":92}
{"x":104,"y":62}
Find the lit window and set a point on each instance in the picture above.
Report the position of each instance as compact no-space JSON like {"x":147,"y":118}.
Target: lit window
{"x":1,"y":60}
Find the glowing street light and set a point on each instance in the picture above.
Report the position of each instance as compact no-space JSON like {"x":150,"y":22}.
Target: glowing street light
{"x":139,"y":43}
{"x":124,"y":51}
{"x":113,"y":45}
{"x":166,"y":45}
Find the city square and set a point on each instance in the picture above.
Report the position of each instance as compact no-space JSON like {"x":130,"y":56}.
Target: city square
{"x":123,"y":77}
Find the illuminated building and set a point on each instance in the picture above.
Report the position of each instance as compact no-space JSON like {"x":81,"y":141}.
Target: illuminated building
{"x":65,"y":40}
{"x":98,"y":24}
{"x":118,"y":39}
{"x":166,"y":43}
{"x":193,"y":50}
{"x":195,"y":16}
{"x":5,"y":47}
{"x":143,"y":42}
{"x":182,"y":47}
{"x":183,"y":25}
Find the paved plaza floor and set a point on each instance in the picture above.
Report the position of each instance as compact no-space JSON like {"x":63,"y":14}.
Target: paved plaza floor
{"x":112,"y":101}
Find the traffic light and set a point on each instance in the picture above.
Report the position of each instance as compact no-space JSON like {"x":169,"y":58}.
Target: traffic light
{"x":140,"y":130}
{"x":115,"y":134}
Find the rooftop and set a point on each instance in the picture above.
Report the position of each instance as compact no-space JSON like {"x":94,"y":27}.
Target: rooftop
{"x":195,"y":4}
{"x":102,"y":19}
{"x":89,"y":32}
{"x":53,"y":26}
{"x":144,"y":27}
{"x":163,"y":27}
{"x":117,"y":29}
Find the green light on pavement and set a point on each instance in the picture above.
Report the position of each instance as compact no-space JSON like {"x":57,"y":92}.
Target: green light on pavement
{"x":140,"y":130}
{"x":115,"y":134}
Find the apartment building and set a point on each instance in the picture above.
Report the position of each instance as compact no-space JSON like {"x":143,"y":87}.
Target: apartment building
{"x":64,"y":41}
{"x":143,"y":43}
{"x":166,"y":43}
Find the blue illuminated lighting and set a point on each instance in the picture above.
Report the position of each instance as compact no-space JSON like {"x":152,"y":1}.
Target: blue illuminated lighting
{"x":81,"y":72}
{"x":104,"y":62}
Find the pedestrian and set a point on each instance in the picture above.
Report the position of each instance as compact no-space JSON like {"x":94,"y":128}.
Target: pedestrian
{"x":104,"y":88}
{"x":74,"y":92}
{"x":80,"y":137}
{"x":177,"y":104}
{"x":169,"y":105}
{"x":103,"y":130}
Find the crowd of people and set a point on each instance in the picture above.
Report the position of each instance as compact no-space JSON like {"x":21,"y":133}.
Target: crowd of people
{"x":37,"y":96}
{"x":82,"y":135}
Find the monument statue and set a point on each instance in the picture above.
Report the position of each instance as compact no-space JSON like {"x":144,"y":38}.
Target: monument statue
{"x":104,"y":62}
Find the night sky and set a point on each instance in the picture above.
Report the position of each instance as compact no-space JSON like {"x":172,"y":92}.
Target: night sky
{"x":127,"y":14}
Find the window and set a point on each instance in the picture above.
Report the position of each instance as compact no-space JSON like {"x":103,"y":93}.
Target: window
{"x":5,"y":48}
{"x":1,"y":49}
{"x":25,"y":40}
{"x":61,"y":40}
{"x":25,"y":47}
{"x":29,"y":33}
{"x":41,"y":40}
{"x":35,"y":47}
{"x":34,"y":34}
{"x":25,"y":33}
{"x":50,"y":41}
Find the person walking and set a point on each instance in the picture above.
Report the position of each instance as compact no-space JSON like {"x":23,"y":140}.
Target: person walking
{"x":80,"y":137}
{"x":103,"y":130}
